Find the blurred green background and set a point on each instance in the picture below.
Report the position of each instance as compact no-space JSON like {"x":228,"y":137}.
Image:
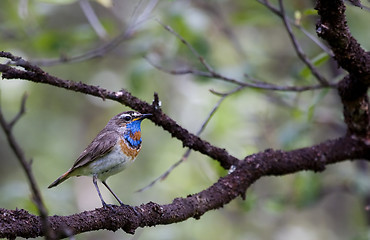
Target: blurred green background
{"x":236,"y":38}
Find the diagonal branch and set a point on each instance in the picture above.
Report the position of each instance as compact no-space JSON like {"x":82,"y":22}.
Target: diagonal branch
{"x":299,"y":49}
{"x":22,"y":110}
{"x":26,"y":165}
{"x":93,"y":19}
{"x":36,"y":74}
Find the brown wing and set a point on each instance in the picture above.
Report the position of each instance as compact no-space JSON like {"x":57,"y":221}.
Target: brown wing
{"x":101,"y":145}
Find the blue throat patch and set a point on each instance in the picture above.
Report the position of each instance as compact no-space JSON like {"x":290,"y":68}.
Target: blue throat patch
{"x":132,"y":128}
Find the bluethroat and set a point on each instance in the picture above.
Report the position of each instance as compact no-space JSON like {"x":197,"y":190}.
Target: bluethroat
{"x":112,"y":150}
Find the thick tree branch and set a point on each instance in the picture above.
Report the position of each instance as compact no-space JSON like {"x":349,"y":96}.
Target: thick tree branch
{"x":332,"y":26}
{"x":268,"y":163}
{"x":355,"y":106}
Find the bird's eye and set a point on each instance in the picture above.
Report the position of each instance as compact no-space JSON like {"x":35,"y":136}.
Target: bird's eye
{"x":128,"y":118}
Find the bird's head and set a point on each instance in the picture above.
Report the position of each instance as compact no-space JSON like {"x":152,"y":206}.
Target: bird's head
{"x":129,"y":122}
{"x":130,"y":119}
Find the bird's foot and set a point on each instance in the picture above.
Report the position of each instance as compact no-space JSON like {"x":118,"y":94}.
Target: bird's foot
{"x":111,"y":207}
{"x":133,"y":208}
{"x":108,"y":206}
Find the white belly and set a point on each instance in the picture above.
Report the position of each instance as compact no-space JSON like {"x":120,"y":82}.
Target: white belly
{"x":112,"y":163}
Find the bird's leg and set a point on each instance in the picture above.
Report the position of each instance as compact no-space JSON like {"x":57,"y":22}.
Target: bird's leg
{"x":110,"y":190}
{"x":97,"y":189}
{"x":120,"y":202}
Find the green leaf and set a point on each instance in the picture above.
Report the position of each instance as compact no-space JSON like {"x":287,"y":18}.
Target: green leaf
{"x":310,"y":113}
{"x":309,"y":12}
{"x":316,"y":61}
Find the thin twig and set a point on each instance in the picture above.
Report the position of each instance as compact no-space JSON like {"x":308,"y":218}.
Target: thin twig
{"x":94,"y":53}
{"x":298,"y":48}
{"x":93,"y":19}
{"x":192,"y":49}
{"x":105,"y":48}
{"x":235,"y":90}
{"x":255,"y":84}
{"x":215,"y":11}
{"x":210,"y":73}
{"x":26,"y":165}
{"x":276,"y":11}
{"x":188,"y":151}
{"x":20,"y":113}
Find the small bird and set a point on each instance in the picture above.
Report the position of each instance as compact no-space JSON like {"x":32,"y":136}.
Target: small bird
{"x":112,"y":150}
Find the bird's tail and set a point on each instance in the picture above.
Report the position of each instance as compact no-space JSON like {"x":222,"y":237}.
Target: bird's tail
{"x":60,"y":179}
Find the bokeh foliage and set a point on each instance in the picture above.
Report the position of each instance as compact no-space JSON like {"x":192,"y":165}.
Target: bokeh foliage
{"x":235,"y":37}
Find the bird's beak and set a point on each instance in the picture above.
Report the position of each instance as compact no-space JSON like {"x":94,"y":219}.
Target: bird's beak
{"x":143,"y":116}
